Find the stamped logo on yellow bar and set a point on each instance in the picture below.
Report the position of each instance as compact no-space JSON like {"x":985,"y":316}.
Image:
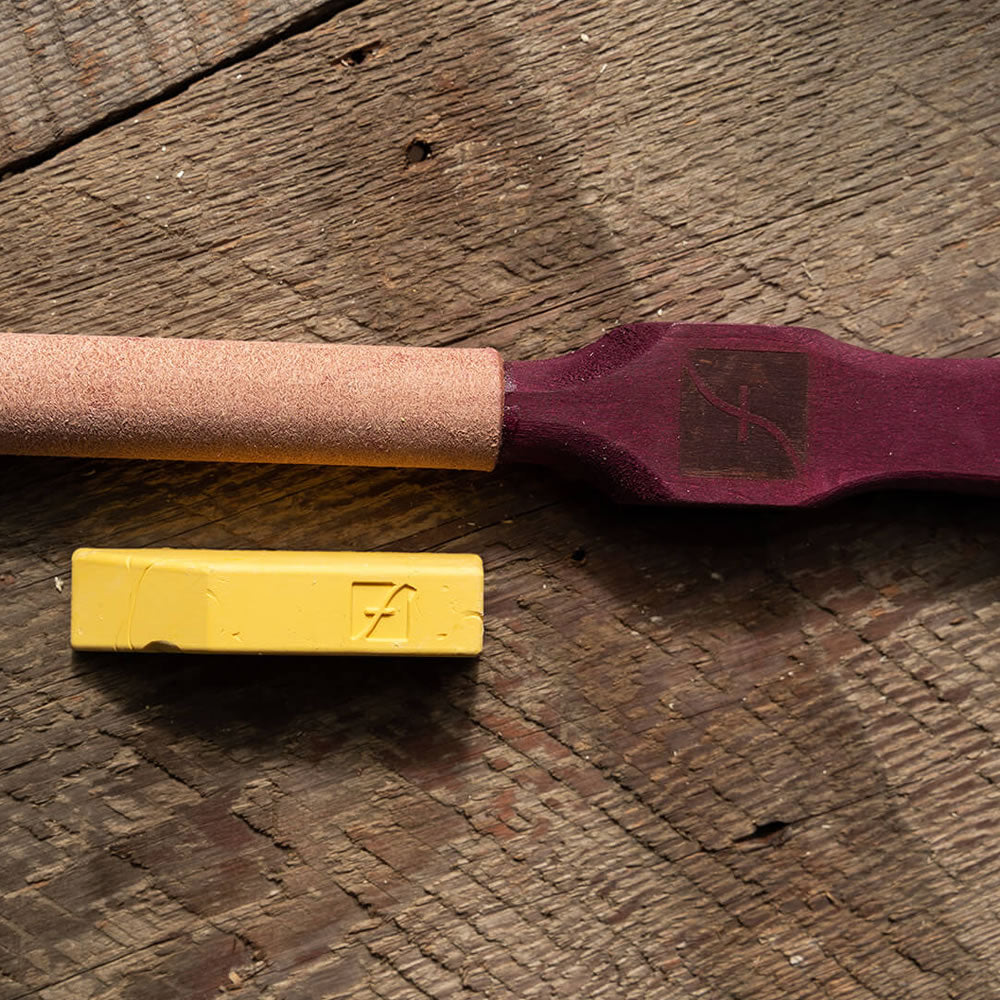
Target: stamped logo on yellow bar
{"x":213,"y":601}
{"x":382,"y":610}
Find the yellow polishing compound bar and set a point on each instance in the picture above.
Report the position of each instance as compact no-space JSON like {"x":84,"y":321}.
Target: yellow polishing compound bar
{"x":206,"y":601}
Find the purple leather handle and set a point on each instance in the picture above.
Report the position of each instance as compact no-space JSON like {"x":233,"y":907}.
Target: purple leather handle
{"x":777,"y":416}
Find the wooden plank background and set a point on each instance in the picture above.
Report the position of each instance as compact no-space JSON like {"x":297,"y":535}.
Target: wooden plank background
{"x":704,"y":753}
{"x":71,"y":68}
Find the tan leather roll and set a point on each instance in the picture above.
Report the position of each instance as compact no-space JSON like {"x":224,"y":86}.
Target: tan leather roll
{"x":238,"y":401}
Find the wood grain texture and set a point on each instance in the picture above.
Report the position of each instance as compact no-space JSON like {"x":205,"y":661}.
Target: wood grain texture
{"x":702,"y":754}
{"x":71,"y":66}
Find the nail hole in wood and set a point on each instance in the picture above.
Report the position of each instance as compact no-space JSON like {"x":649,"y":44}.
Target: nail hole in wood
{"x":762,"y":831}
{"x":417,"y":151}
{"x":579,"y":555}
{"x":357,"y":56}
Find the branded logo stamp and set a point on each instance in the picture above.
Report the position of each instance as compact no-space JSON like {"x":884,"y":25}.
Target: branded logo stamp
{"x":380,"y":612}
{"x":743,"y":414}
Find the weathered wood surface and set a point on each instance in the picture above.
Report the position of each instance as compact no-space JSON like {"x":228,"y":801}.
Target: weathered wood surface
{"x":703,"y":754}
{"x":69,"y":67}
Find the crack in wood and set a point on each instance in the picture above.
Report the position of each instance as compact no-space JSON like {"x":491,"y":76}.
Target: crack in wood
{"x":302,"y":24}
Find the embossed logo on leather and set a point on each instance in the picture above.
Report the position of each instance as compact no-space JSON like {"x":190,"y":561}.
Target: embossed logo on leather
{"x":743,"y":414}
{"x":381,"y":611}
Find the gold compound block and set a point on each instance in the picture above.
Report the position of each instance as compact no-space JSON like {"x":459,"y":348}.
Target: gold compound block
{"x":211,"y":601}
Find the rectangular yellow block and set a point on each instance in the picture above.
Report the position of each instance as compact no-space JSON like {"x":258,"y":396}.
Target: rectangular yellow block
{"x":208,"y":601}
